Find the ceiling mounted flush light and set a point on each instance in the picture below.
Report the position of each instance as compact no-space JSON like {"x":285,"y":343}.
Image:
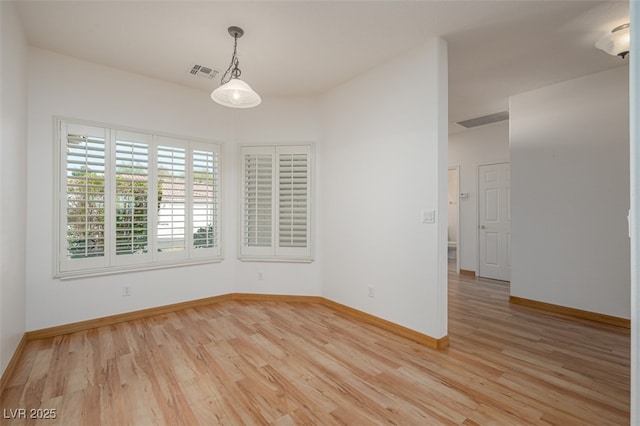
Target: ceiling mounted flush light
{"x":616,"y":43}
{"x":234,"y":92}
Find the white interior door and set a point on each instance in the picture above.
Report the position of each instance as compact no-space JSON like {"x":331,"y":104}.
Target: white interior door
{"x":494,"y":221}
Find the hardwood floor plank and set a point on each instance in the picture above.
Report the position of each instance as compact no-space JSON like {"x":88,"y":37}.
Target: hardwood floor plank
{"x":428,"y":395}
{"x":248,"y":362}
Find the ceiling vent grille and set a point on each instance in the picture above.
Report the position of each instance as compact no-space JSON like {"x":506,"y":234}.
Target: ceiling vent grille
{"x":485,"y":119}
{"x":203,"y":72}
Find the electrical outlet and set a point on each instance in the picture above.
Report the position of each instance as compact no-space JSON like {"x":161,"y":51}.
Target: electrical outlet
{"x":260,"y":276}
{"x":428,"y":216}
{"x":372,"y":291}
{"x":126,"y":290}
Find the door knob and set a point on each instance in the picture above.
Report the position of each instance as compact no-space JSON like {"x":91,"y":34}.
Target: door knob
{"x":482,"y":227}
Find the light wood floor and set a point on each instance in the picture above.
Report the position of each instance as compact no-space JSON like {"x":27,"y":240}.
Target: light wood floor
{"x":300,"y":363}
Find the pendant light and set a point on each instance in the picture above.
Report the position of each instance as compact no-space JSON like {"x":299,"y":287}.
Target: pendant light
{"x":234,"y":92}
{"x":617,"y":42}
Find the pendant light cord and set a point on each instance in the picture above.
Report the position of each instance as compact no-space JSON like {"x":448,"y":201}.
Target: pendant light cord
{"x":233,"y":71}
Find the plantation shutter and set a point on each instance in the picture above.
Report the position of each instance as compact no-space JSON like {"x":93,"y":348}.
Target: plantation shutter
{"x":257,"y":200}
{"x":83,"y":211}
{"x":172,"y":190}
{"x":276,"y":202}
{"x":293,"y":201}
{"x":131,"y":198}
{"x":205,"y":196}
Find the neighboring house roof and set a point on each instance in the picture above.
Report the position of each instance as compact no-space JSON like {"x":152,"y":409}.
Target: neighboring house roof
{"x":173,"y":191}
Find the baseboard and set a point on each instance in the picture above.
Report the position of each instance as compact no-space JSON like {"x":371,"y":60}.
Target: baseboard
{"x":257,"y":297}
{"x":128,"y":316}
{"x":145,"y":313}
{"x":572,"y":312}
{"x":17,"y":354}
{"x":467,"y":272}
{"x":394,"y":328}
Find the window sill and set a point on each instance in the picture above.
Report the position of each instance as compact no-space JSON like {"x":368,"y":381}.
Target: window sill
{"x":277,"y":259}
{"x":72,"y":275}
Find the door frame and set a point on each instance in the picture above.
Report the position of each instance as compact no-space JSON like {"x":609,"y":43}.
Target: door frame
{"x":457,"y":169}
{"x":477,"y":218}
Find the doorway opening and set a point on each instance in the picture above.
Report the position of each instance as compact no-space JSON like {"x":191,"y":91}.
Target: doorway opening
{"x":453,"y":234}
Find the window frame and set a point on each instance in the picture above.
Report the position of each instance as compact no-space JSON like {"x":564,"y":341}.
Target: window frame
{"x":110,"y":263}
{"x":276,"y":253}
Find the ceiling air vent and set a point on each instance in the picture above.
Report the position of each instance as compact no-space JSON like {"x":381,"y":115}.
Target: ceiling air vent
{"x":204,"y":72}
{"x":485,"y":119}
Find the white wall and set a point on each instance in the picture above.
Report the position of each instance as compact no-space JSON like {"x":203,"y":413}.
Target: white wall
{"x":13,"y":181}
{"x":469,"y":149}
{"x":384,"y":154}
{"x":60,"y":85}
{"x":290,"y":120}
{"x":83,"y":90}
{"x":570,"y":193}
{"x":381,"y":188}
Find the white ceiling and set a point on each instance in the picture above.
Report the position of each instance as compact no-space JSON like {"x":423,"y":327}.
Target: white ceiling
{"x":299,"y":48}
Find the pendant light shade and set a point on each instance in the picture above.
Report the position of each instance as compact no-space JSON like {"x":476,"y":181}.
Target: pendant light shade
{"x":234,"y":92}
{"x":617,"y":42}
